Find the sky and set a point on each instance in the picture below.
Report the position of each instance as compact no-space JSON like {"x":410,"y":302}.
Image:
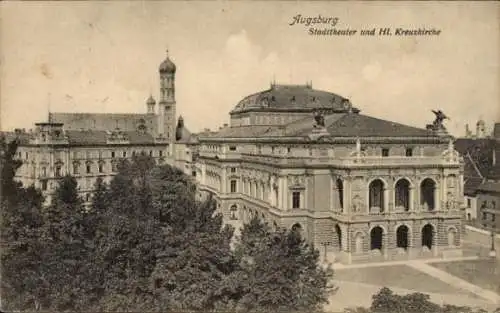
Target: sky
{"x":103,"y":57}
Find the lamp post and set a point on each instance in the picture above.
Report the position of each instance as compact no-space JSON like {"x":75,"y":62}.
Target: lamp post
{"x":325,"y":245}
{"x":493,"y":252}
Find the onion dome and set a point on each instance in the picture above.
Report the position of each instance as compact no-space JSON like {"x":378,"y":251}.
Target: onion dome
{"x":150,"y":100}
{"x":167,"y":66}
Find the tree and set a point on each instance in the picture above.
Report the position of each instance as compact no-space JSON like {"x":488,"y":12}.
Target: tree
{"x":195,"y":256}
{"x":278,"y":270}
{"x":21,"y":222}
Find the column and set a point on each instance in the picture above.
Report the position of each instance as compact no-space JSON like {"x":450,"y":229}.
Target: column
{"x":224,"y":181}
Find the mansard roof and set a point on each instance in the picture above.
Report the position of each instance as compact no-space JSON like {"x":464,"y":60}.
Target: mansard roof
{"x":346,"y":125}
{"x":293,"y":98}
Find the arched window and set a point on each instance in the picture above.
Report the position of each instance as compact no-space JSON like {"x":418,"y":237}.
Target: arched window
{"x":297,"y":228}
{"x":402,"y":237}
{"x":376,"y":200}
{"x":234,"y":212}
{"x":402,"y":194}
{"x":427,"y":199}
{"x":376,"y":235}
{"x":340,"y":193}
{"x":427,"y":236}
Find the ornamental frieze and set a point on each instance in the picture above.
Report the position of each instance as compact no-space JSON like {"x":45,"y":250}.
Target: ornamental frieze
{"x":296,"y":180}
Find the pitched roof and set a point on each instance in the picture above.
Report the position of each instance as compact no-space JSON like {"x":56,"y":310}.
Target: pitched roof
{"x":489,"y":186}
{"x":337,"y":125}
{"x":351,"y":125}
{"x":471,"y":185}
{"x":187,"y":137}
{"x":477,"y":155}
{"x":99,"y":137}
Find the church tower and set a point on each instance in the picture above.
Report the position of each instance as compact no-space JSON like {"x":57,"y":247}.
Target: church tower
{"x":166,"y":112}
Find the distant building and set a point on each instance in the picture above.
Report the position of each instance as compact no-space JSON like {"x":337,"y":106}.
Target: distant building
{"x":89,"y":145}
{"x":481,"y":177}
{"x":186,"y":150}
{"x":364,"y":188}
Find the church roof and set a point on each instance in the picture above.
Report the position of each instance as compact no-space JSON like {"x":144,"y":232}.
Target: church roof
{"x":187,"y":137}
{"x":167,"y":66}
{"x":349,"y":125}
{"x":99,"y":137}
{"x":292,"y":98}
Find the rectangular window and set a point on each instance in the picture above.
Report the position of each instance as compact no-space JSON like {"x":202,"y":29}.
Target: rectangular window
{"x":44,"y":185}
{"x":112,"y":154}
{"x":296,"y":199}
{"x":409,"y":152}
{"x":58,"y":171}
{"x":114,"y":168}
{"x":492,"y":217}
{"x":151,"y":153}
{"x":468,"y":203}
{"x":44,"y":171}
{"x":87,"y":197}
{"x":88,"y":169}
{"x":233,"y":186}
{"x":385,"y":152}
{"x":76,"y":169}
{"x":124,"y":154}
{"x":100,"y":168}
{"x":193,"y":173}
{"x":485,"y":216}
{"x":288,"y":150}
{"x":26,"y":155}
{"x":232,"y":148}
{"x":233,"y":169}
{"x":161,"y":153}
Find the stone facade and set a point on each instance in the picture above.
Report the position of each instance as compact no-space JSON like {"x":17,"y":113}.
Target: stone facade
{"x":89,"y":145}
{"x":364,"y":188}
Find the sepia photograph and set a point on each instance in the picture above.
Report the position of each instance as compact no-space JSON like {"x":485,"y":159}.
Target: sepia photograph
{"x":250,"y":156}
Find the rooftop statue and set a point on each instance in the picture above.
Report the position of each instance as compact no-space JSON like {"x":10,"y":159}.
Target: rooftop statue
{"x":319,"y":118}
{"x":438,"y":121}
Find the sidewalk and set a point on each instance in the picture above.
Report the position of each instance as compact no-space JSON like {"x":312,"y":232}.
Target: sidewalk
{"x":455,"y":281}
{"x":340,"y":266}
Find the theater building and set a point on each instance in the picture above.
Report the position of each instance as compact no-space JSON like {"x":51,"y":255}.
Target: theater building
{"x":358,"y":187}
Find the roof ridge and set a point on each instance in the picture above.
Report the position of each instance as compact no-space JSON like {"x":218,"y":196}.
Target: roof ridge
{"x":474,"y":165}
{"x":392,"y":122}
